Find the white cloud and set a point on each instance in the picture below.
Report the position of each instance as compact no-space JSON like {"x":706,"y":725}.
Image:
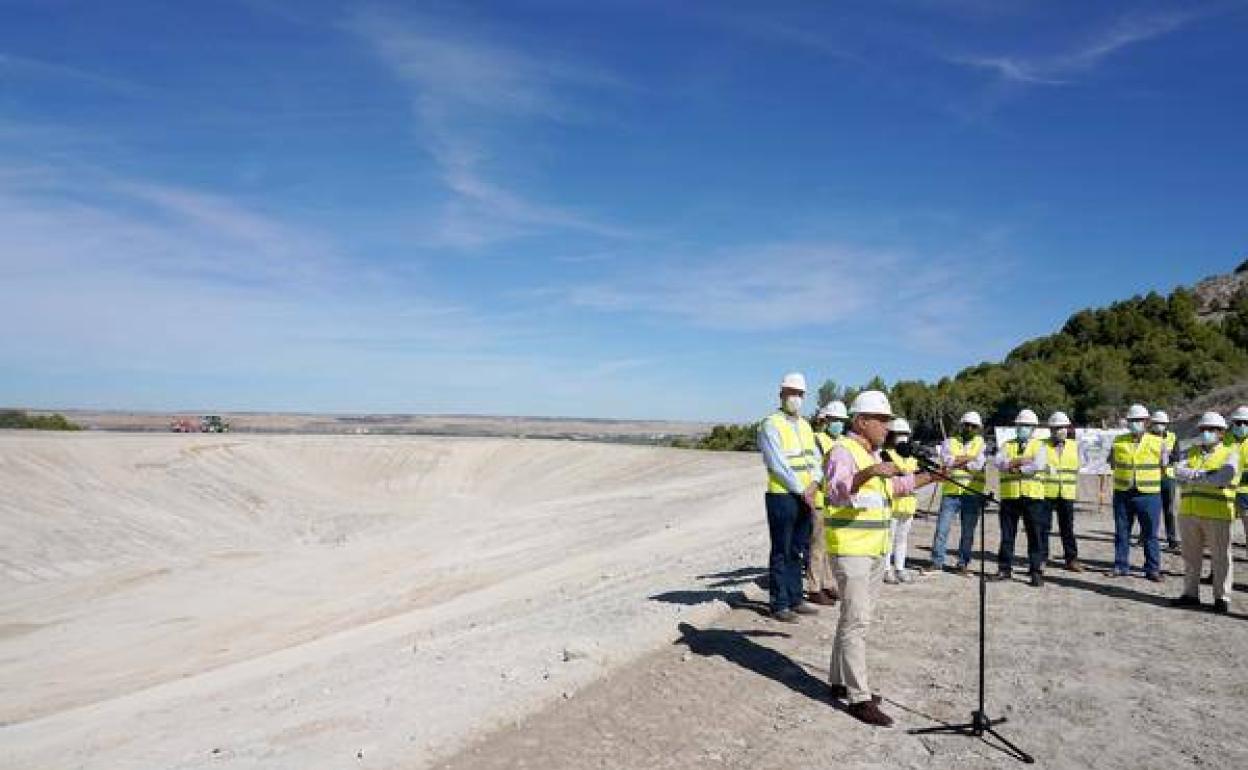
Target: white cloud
{"x":467,"y":93}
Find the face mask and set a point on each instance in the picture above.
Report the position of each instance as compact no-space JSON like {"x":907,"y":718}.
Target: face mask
{"x":968,"y":432}
{"x":1209,"y":437}
{"x":792,"y":404}
{"x":836,"y":428}
{"x":1160,"y":430}
{"x":901,"y":440}
{"x":1023,"y":432}
{"x":1240,"y":431}
{"x":1136,"y":427}
{"x":1061,"y":434}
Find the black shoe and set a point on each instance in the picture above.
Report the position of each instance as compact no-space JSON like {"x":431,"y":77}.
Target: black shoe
{"x":1037,"y":580}
{"x":806,"y":608}
{"x":1183,"y":600}
{"x":1003,"y":575}
{"x":1221,"y":607}
{"x":1173,"y":546}
{"x":784,"y":616}
{"x":869,"y":712}
{"x":1155,"y":577}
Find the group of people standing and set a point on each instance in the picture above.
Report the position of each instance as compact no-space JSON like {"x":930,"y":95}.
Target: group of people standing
{"x":840,"y":502}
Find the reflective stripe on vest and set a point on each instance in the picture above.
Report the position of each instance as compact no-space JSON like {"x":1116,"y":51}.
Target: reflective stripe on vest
{"x":972,"y":479}
{"x":1061,"y":479}
{"x":904,"y":506}
{"x":1015,"y":485}
{"x":1243,"y":464}
{"x":1206,"y":501}
{"x":860,"y":528}
{"x":1137,"y":466}
{"x":1171,"y":441}
{"x":801,"y":453}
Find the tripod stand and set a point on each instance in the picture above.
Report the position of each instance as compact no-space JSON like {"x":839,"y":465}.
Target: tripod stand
{"x":981,"y":724}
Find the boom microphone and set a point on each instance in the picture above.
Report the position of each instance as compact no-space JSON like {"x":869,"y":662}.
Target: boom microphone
{"x":917,"y":451}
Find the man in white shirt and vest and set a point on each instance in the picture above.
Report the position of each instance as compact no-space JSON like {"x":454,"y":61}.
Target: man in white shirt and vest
{"x":794,"y":473}
{"x":860,"y":489}
{"x":1022,"y":465}
{"x":1061,"y":486}
{"x":962,"y":457}
{"x":1160,"y":425}
{"x":1135,"y":460}
{"x":1209,"y":476}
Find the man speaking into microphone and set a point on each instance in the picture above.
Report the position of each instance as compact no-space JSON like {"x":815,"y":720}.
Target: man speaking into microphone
{"x":859,"y":492}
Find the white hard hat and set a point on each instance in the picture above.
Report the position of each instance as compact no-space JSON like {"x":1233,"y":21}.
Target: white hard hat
{"x":794,"y":380}
{"x":834,"y":411}
{"x":871,"y":402}
{"x":1163,"y":418}
{"x":899,"y":425}
{"x":1137,"y":412}
{"x":1212,"y":420}
{"x":1240,"y":413}
{"x":1026,"y":417}
{"x":972,"y":418}
{"x":1059,"y":420}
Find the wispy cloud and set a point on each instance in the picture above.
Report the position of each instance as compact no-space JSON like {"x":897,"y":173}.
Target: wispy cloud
{"x":1062,"y":67}
{"x":468,"y":92}
{"x":14,"y":67}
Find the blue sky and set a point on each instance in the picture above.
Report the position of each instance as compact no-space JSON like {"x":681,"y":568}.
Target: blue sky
{"x":612,"y":209}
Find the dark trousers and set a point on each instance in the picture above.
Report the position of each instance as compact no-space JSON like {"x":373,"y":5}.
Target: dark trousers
{"x":1065,"y":512}
{"x":789,"y":523}
{"x":1167,"y":511}
{"x":1035,"y":516}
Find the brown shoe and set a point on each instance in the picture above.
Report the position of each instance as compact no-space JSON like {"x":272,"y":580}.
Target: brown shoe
{"x":830,"y":593}
{"x":962,"y":570}
{"x":869,"y":712}
{"x":1074,"y":566}
{"x":841,"y":692}
{"x":821,"y":597}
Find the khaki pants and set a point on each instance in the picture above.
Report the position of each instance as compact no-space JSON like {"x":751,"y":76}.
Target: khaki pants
{"x":1216,"y":534}
{"x":819,"y":575}
{"x":1243,"y":518}
{"x":858,"y":578}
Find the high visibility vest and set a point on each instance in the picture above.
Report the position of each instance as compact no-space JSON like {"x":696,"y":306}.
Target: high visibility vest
{"x":1014,"y":484}
{"x":1171,"y":441}
{"x":861,"y":528}
{"x":825,"y":443}
{"x":1138,"y":465}
{"x":1061,"y":478}
{"x":801,"y":453}
{"x":904,"y":506}
{"x":972,"y":479}
{"x":1242,"y":448}
{"x":1206,"y":501}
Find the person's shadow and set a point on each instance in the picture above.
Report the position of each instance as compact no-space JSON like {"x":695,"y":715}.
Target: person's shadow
{"x":740,"y":648}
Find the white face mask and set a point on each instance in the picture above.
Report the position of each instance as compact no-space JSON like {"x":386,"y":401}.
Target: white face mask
{"x":1061,"y":434}
{"x":1136,"y":427}
{"x":1023,"y":432}
{"x":1209,"y":437}
{"x":793,"y":404}
{"x":902,"y":439}
{"x":1159,"y":429}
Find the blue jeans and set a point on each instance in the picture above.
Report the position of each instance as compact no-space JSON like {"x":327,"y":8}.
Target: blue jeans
{"x":1130,"y":506}
{"x":967,"y":507}
{"x":789,"y":522}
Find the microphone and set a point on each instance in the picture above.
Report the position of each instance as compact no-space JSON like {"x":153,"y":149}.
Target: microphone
{"x":919,"y":452}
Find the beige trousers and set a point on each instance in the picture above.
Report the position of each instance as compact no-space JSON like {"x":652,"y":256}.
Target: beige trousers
{"x":1198,"y":533}
{"x":1243,"y":518}
{"x":819,"y":575}
{"x":858,"y":578}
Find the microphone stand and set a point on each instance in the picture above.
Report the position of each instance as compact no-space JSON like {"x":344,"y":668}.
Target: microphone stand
{"x":981,"y":724}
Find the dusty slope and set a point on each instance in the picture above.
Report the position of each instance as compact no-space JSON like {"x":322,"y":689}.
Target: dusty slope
{"x":1092,"y":673}
{"x":239,"y":601}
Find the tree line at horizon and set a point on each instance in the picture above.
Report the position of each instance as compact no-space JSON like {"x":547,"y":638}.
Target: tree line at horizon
{"x":1148,"y":349}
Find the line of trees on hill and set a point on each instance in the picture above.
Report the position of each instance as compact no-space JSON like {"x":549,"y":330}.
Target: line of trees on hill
{"x":1152,"y":349}
{"x":16,"y":418}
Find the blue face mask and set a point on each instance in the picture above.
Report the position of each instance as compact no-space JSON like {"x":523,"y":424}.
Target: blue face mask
{"x":1136,"y":427}
{"x":1209,"y":437}
{"x":1240,"y":431}
{"x":1023,"y":432}
{"x":836,"y":428}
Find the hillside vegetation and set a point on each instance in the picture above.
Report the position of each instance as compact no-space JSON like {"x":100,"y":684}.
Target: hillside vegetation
{"x":1163,"y":351}
{"x":15,"y":418}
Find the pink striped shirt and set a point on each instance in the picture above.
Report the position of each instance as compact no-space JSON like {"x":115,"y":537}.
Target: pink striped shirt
{"x":839,"y":470}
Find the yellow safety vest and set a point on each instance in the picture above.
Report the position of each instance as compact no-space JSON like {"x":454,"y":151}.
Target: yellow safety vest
{"x":904,"y":506}
{"x":825,"y":443}
{"x":1061,"y":479}
{"x":861,"y":528}
{"x":1015,"y":485}
{"x":1206,"y":501}
{"x":973,"y":479}
{"x":1171,"y":441}
{"x":801,"y":453}
{"x":1243,"y":463}
{"x":1138,"y":465}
